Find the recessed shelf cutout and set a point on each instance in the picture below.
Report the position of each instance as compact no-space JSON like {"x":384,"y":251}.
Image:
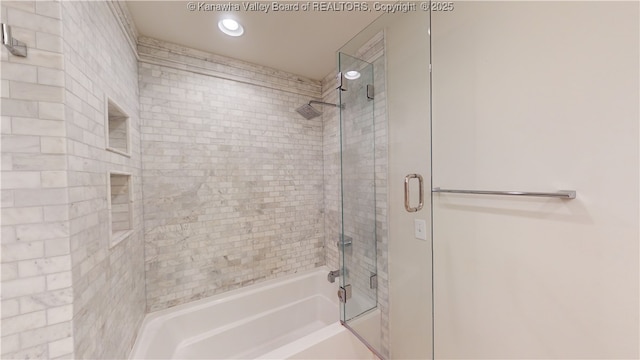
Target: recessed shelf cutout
{"x":120,"y":206}
{"x":118,"y":129}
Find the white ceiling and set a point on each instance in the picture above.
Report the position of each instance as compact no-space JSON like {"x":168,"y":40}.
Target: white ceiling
{"x":299,"y":42}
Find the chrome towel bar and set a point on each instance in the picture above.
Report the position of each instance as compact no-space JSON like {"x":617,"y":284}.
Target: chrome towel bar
{"x":562,"y":194}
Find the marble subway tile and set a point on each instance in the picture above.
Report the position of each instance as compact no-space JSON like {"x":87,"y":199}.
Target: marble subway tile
{"x":20,"y":144}
{"x":23,"y":215}
{"x":9,"y":272}
{"x":21,"y":250}
{"x":49,"y":265}
{"x":35,"y":352}
{"x":93,"y":37}
{"x":33,"y":126}
{"x":37,"y":92}
{"x":22,"y":286}
{"x":54,"y":196}
{"x":17,"y":324}
{"x":10,"y":343}
{"x":61,"y":347}
{"x":233,"y":177}
{"x":41,"y":58}
{"x":59,"y":281}
{"x":48,"y":76}
{"x":231,"y":163}
{"x":48,"y":8}
{"x":27,"y":5}
{"x":45,"y":335}
{"x":59,"y":314}
{"x":53,"y":179}
{"x":32,"y":21}
{"x":21,"y":180}
{"x":51,"y":111}
{"x":56,"y":247}
{"x":19,"y":72}
{"x":33,"y":96}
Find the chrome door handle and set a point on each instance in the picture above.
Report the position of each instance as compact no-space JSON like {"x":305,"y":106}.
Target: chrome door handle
{"x":407,"y":206}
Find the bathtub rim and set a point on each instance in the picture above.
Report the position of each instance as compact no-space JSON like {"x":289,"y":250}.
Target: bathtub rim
{"x":153,"y":321}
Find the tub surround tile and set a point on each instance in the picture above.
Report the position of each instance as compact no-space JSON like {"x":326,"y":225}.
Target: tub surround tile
{"x":52,"y":238}
{"x":19,"y":72}
{"x":238,"y":187}
{"x":30,"y":20}
{"x":233,"y":175}
{"x":108,"y":282}
{"x":180,"y":57}
{"x":20,"y":179}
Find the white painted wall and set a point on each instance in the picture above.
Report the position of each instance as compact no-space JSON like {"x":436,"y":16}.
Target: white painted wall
{"x":538,"y":97}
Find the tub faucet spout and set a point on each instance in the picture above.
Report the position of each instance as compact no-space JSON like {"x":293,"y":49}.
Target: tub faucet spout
{"x":333,"y":275}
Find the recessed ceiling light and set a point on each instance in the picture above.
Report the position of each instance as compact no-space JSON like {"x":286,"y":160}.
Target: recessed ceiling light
{"x":352,"y":74}
{"x":230,"y":27}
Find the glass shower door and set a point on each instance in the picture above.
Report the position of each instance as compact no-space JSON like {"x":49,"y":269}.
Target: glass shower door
{"x":395,"y":50}
{"x":357,"y":241}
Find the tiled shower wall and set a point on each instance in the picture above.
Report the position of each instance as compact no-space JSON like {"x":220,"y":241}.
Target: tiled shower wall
{"x":233,"y":179}
{"x":108,"y":280}
{"x":373,"y":52}
{"x":232,"y":174}
{"x":36,"y":263}
{"x":63,"y":287}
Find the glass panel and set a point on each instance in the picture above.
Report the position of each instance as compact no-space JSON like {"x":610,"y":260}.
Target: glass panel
{"x":397,"y":46}
{"x":357,"y":134}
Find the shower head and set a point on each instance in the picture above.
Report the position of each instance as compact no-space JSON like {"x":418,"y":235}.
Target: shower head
{"x":308,"y":111}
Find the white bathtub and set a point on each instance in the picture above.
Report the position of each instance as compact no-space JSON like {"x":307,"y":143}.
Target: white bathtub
{"x":295,"y":317}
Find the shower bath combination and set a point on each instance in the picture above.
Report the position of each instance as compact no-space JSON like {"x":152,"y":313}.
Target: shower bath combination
{"x":309,"y":112}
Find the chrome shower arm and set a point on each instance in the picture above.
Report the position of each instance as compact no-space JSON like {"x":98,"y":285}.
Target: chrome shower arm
{"x":324,"y":103}
{"x":17,"y":48}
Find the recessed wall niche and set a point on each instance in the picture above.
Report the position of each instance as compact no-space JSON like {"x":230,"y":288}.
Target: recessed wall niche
{"x":120,"y":205}
{"x":117,"y":128}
